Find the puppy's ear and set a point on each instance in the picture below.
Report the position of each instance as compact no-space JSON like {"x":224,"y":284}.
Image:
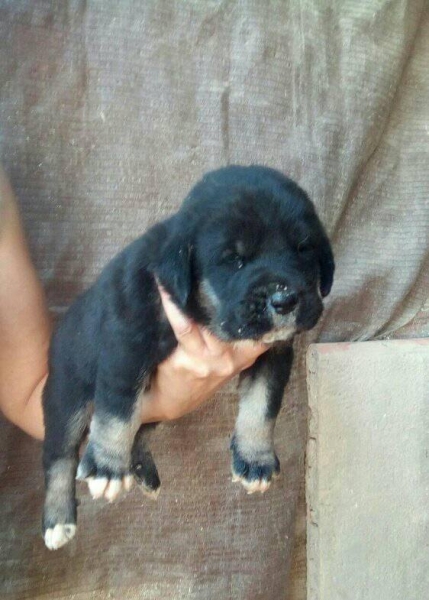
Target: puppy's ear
{"x":172,"y":266}
{"x":327,"y":266}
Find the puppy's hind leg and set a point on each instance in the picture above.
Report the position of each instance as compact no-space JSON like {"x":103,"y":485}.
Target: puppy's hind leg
{"x":59,"y":516}
{"x":60,"y":456}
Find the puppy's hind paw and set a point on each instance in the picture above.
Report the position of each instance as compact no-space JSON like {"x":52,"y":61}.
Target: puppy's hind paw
{"x":58,"y":536}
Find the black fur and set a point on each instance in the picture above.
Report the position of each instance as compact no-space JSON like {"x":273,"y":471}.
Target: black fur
{"x":245,"y":231}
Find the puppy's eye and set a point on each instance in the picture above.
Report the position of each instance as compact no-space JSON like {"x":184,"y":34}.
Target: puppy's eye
{"x":305,"y":247}
{"x":233,"y":259}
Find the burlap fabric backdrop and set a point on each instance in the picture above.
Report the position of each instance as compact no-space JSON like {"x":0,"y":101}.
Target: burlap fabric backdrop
{"x":109,"y":112}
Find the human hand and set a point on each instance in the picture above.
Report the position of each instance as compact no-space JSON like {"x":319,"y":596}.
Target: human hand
{"x":197,"y":368}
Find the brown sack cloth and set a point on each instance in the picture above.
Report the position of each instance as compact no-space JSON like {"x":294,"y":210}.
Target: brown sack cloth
{"x":109,"y":112}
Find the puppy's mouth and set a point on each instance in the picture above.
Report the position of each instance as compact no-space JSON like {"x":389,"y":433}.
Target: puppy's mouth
{"x":280,"y":334}
{"x":269,"y":328}
{"x":270,"y":314}
{"x":264,"y":325}
{"x":264,"y":330}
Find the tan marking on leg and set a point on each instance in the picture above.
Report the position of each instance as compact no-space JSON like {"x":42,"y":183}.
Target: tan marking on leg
{"x":253,"y":431}
{"x":59,"y":494}
{"x":60,"y":487}
{"x":113,"y":439}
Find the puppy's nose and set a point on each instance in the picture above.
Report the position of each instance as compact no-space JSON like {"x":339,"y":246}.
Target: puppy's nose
{"x":284,"y":302}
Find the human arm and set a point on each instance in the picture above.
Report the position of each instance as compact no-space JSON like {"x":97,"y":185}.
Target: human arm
{"x":25,"y":326}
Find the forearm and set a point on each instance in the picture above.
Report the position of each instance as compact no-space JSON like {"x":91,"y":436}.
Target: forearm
{"x":25,"y":326}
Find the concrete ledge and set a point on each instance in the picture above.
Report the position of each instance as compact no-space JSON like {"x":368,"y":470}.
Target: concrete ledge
{"x":368,"y":471}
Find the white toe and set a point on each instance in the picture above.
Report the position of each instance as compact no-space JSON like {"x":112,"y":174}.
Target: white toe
{"x":250,"y":486}
{"x":128,"y":482}
{"x":97,"y":486}
{"x":59,"y":535}
{"x":264,"y":485}
{"x":257,"y":485}
{"x":113,"y":489}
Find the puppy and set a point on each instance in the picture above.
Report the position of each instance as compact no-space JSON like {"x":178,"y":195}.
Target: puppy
{"x":247,"y":257}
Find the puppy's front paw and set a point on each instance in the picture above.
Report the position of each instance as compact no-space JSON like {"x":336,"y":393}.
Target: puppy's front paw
{"x":255,"y":473}
{"x":106,"y":475}
{"x":146,"y":473}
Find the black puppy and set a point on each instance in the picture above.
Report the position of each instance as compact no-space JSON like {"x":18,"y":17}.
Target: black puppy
{"x":247,"y":257}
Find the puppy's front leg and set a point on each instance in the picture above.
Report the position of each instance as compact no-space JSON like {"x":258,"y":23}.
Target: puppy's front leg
{"x":254,"y":462}
{"x":106,"y":463}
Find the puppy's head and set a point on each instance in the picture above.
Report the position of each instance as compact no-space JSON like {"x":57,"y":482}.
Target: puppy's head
{"x":247,"y":256}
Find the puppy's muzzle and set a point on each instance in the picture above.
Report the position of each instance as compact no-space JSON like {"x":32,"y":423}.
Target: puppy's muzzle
{"x":283,"y":302}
